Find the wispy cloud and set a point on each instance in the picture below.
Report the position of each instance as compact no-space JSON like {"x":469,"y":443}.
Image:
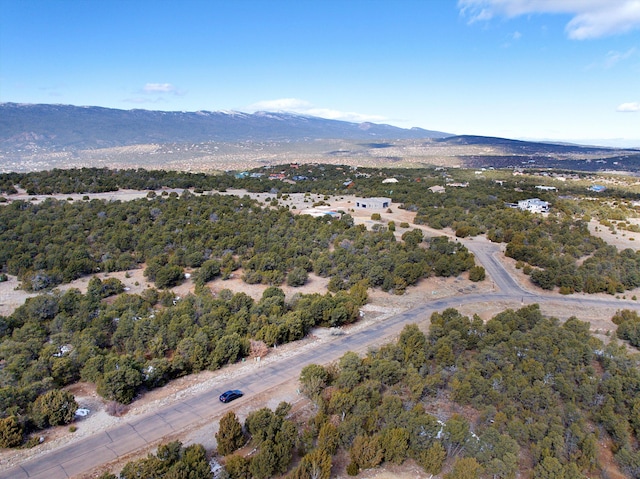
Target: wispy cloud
{"x":591,"y":18}
{"x":630,"y":107}
{"x":303,"y":107}
{"x":514,"y":37}
{"x":611,"y":59}
{"x":154,"y":93}
{"x":159,"y":88}
{"x":614,"y":57}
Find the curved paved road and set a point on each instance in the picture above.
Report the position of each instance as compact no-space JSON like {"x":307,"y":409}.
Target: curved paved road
{"x":139,"y":433}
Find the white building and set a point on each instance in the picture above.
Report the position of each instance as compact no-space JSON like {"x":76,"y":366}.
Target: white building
{"x":320,"y":212}
{"x":535,"y":205}
{"x":373,"y":203}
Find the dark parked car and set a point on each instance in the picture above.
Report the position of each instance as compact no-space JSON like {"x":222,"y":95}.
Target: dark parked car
{"x":229,"y":396}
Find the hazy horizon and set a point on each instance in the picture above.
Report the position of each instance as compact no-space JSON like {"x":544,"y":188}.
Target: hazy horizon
{"x":545,"y":71}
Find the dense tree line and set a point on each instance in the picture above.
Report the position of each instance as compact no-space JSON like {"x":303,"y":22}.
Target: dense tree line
{"x":133,"y":343}
{"x":532,"y":397}
{"x":100,"y":180}
{"x":558,"y":250}
{"x":56,"y":242}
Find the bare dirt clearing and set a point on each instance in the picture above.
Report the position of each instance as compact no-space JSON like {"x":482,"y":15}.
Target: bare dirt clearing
{"x":621,"y":239}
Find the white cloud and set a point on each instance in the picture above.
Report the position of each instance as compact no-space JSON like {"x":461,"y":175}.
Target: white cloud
{"x":630,"y":107}
{"x":591,"y":18}
{"x":159,"y":88}
{"x":281,"y":104}
{"x":303,"y":107}
{"x":154,"y":93}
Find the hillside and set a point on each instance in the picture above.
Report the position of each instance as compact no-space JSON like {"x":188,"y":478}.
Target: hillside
{"x":65,"y":126}
{"x":43,"y":137}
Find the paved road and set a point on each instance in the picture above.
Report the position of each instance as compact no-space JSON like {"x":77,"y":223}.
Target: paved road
{"x":138,"y":433}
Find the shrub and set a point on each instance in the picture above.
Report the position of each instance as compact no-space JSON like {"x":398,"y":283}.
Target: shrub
{"x":116,"y":409}
{"x":169,"y":276}
{"x":10,"y":432}
{"x":353,"y":469}
{"x":477,"y":273}
{"x":297,"y":277}
{"x":54,"y":408}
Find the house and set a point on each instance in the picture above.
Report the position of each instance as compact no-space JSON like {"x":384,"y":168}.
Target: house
{"x":319,"y":213}
{"x":546,"y":188}
{"x":437,"y":189}
{"x":373,"y":203}
{"x":389,"y":180}
{"x":534,"y":205}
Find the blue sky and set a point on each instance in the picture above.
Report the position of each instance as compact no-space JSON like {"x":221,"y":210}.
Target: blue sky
{"x":543,"y":69}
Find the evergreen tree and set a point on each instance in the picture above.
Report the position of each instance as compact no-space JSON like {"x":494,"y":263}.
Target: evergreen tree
{"x":229,"y":436}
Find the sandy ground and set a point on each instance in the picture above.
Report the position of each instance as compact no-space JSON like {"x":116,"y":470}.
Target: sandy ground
{"x":621,"y":239}
{"x":381,"y":306}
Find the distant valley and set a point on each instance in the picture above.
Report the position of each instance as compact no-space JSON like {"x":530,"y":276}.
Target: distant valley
{"x":42,"y":137}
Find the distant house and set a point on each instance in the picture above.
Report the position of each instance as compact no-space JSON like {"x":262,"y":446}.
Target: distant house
{"x":437,"y":189}
{"x":373,"y":203}
{"x":389,"y":180}
{"x":546,"y":188}
{"x":534,"y":205}
{"x":319,"y":212}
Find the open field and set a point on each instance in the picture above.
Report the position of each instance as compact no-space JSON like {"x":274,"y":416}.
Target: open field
{"x":242,"y":155}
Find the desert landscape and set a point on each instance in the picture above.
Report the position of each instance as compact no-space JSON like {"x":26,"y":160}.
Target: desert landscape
{"x":380,"y":307}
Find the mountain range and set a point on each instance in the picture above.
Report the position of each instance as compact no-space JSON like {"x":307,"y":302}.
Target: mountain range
{"x":81,"y":128}
{"x":45,"y":136}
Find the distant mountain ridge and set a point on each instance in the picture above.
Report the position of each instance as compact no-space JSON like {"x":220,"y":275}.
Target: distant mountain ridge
{"x":52,"y":126}
{"x":522,"y":147}
{"x":36,"y":137}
